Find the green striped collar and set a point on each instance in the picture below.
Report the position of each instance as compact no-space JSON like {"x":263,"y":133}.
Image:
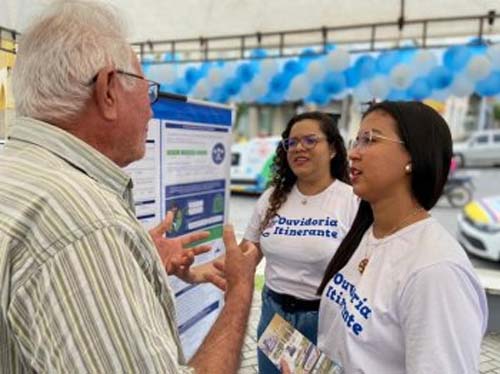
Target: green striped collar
{"x":73,"y":150}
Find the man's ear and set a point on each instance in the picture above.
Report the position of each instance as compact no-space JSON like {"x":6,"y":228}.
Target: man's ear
{"x":105,"y":93}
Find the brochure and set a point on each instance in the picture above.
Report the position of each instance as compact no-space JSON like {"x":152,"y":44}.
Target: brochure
{"x":281,"y":341}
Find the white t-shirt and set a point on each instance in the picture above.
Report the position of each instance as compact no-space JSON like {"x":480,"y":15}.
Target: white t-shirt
{"x":302,"y":238}
{"x":417,"y":308}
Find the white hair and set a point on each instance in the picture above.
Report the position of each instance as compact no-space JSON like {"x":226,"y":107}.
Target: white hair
{"x":60,"y":54}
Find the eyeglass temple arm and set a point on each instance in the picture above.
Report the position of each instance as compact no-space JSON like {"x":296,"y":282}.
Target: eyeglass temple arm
{"x":172,"y":96}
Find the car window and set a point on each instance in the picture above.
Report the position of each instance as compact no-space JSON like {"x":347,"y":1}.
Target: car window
{"x":481,"y":139}
{"x":496,"y":138}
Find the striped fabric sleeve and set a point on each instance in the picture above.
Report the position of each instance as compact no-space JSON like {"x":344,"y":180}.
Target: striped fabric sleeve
{"x":91,"y":308}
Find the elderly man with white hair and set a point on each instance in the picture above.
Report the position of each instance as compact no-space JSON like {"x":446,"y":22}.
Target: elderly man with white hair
{"x":83,"y":287}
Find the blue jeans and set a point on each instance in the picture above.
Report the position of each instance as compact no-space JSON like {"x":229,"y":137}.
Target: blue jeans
{"x":304,"y":321}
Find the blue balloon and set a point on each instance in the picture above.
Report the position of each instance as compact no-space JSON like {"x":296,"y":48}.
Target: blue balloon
{"x":440,"y":78}
{"x":419,"y":89}
{"x":398,"y":95}
{"x":205,"y":68}
{"x":456,"y":58}
{"x":329,"y":47}
{"x":246,"y":72}
{"x":258,"y":53}
{"x":318,"y":95}
{"x":352,"y":77}
{"x":219,"y":95}
{"x":387,"y":60}
{"x":308,"y":53}
{"x":406,"y":54}
{"x":333,"y":83}
{"x":366,"y":67}
{"x":232,"y":86}
{"x":272,"y":98}
{"x":279,"y":83}
{"x":293,"y":67}
{"x":192,"y":75}
{"x":181,"y":87}
{"x":145,"y":67}
{"x":477,"y":46}
{"x":490,"y":86}
{"x":169,"y":57}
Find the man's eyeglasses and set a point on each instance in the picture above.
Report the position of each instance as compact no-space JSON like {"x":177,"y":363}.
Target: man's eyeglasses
{"x":153,"y":87}
{"x":308,"y":142}
{"x":369,"y":137}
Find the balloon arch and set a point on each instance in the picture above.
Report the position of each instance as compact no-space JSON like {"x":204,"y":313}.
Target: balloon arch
{"x":402,"y":74}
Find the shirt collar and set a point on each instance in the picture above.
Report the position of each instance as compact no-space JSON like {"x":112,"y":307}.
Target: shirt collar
{"x":73,"y":150}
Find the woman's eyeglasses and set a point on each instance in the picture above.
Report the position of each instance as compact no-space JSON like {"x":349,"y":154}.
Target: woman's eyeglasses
{"x":366,"y":138}
{"x":308,"y":142}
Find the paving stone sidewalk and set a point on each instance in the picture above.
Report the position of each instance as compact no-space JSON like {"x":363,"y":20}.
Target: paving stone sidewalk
{"x":490,"y":349}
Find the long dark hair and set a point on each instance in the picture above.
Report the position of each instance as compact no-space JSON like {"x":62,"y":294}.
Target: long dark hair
{"x":427,"y":139}
{"x":283,"y":177}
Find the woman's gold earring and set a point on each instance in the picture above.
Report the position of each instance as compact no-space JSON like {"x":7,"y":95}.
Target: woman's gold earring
{"x":408,"y":168}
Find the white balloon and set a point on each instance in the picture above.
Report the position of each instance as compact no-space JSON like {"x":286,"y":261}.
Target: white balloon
{"x":268,"y":68}
{"x":461,"y":86}
{"x":494,"y":55}
{"x":246,"y":95}
{"x":215,"y":77}
{"x":258,"y":88}
{"x":162,"y":73}
{"x":440,"y":95}
{"x":361,"y":94}
{"x":401,"y":77}
{"x":338,"y":60}
{"x":479,"y":67}
{"x":299,"y":88}
{"x":423,"y":62}
{"x":201,"y":90}
{"x":316,"y":70}
{"x":229,"y":69}
{"x":379,"y":87}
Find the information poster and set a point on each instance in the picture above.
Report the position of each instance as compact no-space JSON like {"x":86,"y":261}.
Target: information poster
{"x":195,"y":140}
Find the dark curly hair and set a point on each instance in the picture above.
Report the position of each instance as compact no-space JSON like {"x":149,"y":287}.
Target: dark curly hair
{"x":283,"y":177}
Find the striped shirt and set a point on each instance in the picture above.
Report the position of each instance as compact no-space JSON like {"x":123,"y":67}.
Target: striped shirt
{"x":82,"y":289}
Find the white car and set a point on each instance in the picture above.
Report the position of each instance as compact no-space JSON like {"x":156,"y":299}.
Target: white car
{"x":481,"y":149}
{"x":479,"y":228}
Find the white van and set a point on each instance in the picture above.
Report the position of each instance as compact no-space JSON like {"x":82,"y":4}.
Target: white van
{"x":481,"y":149}
{"x":251,"y":164}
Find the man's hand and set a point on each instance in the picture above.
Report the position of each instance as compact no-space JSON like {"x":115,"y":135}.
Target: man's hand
{"x":240,"y":263}
{"x":174,"y":255}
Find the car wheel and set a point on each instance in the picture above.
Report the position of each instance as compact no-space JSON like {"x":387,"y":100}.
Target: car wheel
{"x":459,"y":196}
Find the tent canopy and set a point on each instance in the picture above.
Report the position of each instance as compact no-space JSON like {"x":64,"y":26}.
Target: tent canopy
{"x":176,"y":19}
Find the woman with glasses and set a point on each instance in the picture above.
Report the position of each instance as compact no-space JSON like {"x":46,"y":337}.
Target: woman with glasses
{"x":400,"y":295}
{"x":300,"y":220}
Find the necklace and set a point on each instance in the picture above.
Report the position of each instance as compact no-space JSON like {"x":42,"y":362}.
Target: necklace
{"x":364,"y":261}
